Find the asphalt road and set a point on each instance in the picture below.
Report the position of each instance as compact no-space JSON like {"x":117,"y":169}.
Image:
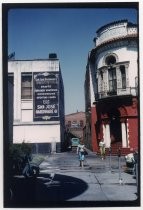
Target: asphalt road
{"x":63,"y":183}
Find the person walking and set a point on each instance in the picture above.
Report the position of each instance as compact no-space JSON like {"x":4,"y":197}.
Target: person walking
{"x":81,"y":153}
{"x":102,"y":148}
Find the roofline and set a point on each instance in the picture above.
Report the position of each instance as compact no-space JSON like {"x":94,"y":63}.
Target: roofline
{"x":94,"y":50}
{"x":132,"y":36}
{"x":109,"y":24}
{"x":33,"y":60}
{"x":75,"y":113}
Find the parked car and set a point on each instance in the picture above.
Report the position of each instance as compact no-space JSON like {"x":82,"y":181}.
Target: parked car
{"x":75,"y":142}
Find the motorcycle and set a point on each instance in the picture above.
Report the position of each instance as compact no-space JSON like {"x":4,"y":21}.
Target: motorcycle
{"x":26,"y":168}
{"x":30,"y":170}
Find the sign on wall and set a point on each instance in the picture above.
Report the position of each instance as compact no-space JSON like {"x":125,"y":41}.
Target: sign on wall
{"x":45,"y":96}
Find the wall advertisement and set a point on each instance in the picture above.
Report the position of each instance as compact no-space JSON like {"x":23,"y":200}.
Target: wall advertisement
{"x":45,"y":96}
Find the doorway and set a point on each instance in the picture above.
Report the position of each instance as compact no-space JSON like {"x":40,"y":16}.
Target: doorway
{"x":115,"y":127}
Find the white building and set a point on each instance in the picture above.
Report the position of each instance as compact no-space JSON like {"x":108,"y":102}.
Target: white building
{"x":38,"y":103}
{"x":116,"y":62}
{"x":111,"y":87}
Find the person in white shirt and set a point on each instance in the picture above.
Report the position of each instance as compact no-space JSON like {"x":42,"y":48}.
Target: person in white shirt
{"x":102,"y":148}
{"x":81,"y":153}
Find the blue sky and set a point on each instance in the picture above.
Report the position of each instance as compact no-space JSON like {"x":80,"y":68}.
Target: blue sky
{"x":34,"y":33}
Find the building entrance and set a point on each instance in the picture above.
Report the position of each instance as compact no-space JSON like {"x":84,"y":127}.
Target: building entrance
{"x":115,"y":127}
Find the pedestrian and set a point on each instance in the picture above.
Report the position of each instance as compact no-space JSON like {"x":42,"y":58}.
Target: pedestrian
{"x":81,"y":153}
{"x":102,"y":148}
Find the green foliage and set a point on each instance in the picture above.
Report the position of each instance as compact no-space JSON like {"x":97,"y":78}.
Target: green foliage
{"x":18,"y":151}
{"x":17,"y":154}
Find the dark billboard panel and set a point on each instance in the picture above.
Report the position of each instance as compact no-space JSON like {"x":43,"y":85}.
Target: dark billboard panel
{"x":45,"y":96}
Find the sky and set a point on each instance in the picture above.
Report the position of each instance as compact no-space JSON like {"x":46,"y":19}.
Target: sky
{"x":68,"y":32}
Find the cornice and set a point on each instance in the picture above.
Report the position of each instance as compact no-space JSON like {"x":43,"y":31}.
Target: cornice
{"x":127,"y":37}
{"x":112,"y":43}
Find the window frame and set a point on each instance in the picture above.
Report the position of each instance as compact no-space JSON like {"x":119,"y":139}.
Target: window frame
{"x":123,"y":76}
{"x":112,"y":78}
{"x":27,"y":91}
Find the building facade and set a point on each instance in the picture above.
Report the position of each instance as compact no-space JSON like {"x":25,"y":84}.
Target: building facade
{"x":38,"y":103}
{"x":111,"y":87}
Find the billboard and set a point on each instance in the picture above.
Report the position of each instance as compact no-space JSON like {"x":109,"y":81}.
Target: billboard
{"x":45,"y":96}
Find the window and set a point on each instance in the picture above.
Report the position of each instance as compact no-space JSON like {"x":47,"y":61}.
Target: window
{"x":101,"y":73}
{"x":74,"y":124}
{"x":69,"y":123}
{"x":81,"y":123}
{"x":123,"y":76}
{"x":26,"y":86}
{"x":110,"y":60}
{"x":112,"y":80}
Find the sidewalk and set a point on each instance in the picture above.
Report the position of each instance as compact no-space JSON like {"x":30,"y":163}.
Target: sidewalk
{"x":116,"y":180}
{"x":102,"y":178}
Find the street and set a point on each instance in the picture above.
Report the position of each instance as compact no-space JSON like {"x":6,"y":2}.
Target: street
{"x":62,"y":182}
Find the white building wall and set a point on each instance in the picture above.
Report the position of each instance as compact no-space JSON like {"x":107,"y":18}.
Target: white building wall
{"x":91,"y":90}
{"x":133,"y":66}
{"x":110,"y":32}
{"x":17,"y":93}
{"x":26,"y":115}
{"x":33,"y":66}
{"x":115,"y":30}
{"x":36,"y":133}
{"x":124,"y":54}
{"x":24,"y":128}
{"x":27,"y":111}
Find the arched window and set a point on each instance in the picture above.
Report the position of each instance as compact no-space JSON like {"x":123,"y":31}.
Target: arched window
{"x":110,"y":60}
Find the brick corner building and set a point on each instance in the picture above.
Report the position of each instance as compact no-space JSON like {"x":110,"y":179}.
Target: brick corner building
{"x":111,"y":88}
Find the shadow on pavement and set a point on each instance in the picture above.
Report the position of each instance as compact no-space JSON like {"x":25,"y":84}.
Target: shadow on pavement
{"x":44,"y":191}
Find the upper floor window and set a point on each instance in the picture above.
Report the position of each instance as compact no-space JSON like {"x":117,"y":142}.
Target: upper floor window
{"x":101,"y":73}
{"x":69,"y":124}
{"x":26,"y":86}
{"x":81,"y":123}
{"x":74,"y":124}
{"x":110,"y":60}
{"x":112,"y":80}
{"x":123,"y":76}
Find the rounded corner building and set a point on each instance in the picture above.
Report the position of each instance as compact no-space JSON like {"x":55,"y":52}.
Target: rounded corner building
{"x":38,"y":103}
{"x":111,"y":88}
